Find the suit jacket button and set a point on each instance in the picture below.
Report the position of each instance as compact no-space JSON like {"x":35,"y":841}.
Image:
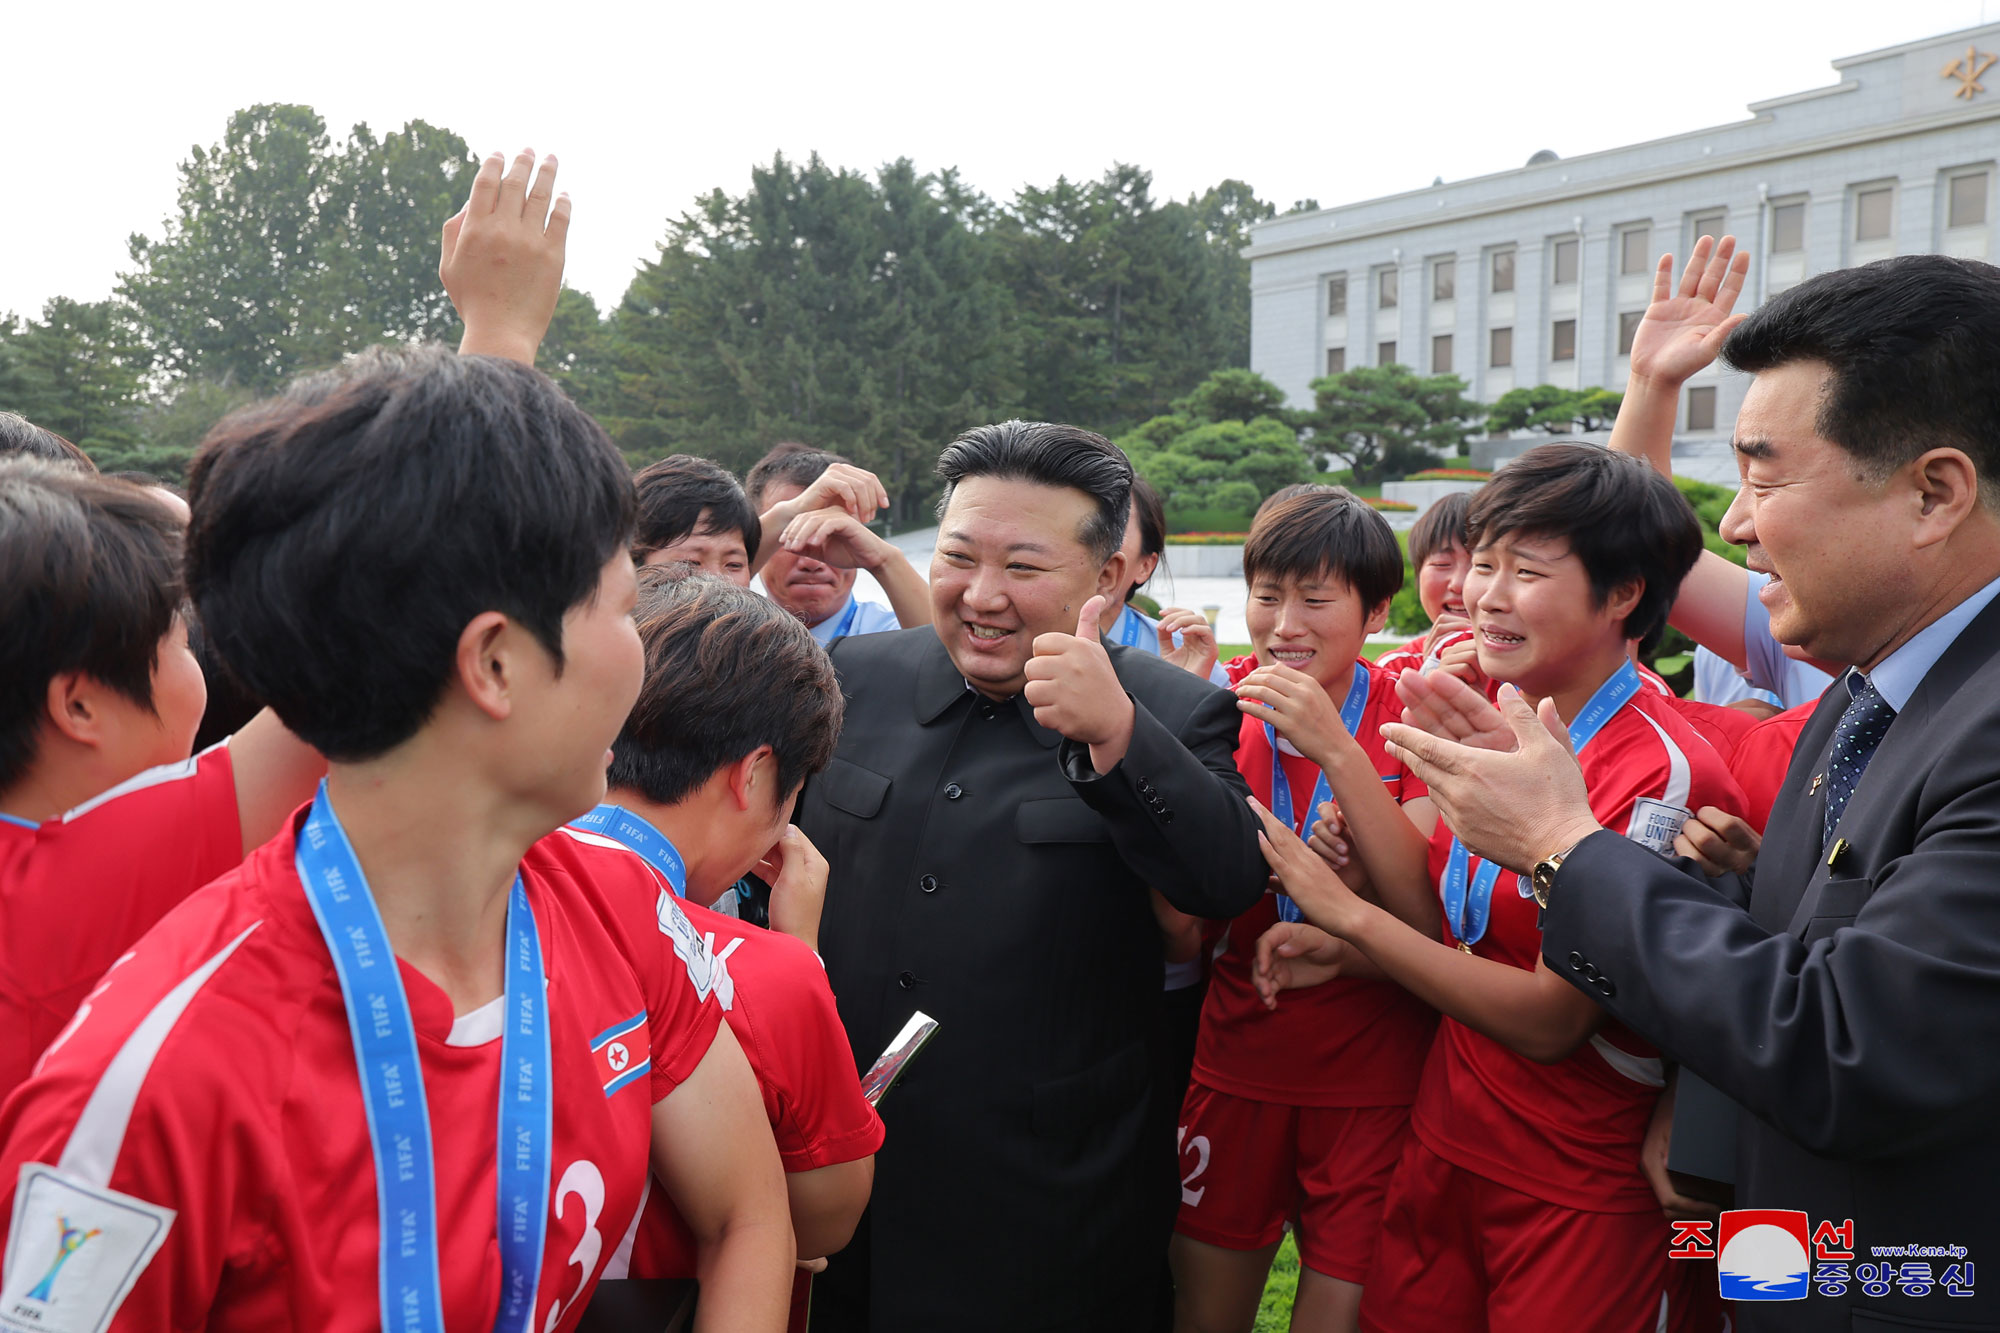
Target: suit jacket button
{"x":1145,"y":787}
{"x":929,"y":884}
{"x":1604,"y":987}
{"x":1576,"y":963}
{"x":953,"y":791}
{"x":1166,"y":816}
{"x":907,"y":980}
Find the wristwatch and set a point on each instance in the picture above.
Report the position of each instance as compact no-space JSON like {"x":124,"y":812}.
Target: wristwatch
{"x":1543,"y":878}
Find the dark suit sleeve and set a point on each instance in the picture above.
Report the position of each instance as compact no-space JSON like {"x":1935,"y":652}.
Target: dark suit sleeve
{"x":1873,"y":1040}
{"x":1178,"y":808}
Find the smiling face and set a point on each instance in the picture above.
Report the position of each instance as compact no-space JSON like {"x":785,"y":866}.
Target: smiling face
{"x":1441,"y":582}
{"x":810,"y":589}
{"x":1316,"y":625}
{"x":1535,"y":619}
{"x":1011,"y":564}
{"x":1807,"y":517}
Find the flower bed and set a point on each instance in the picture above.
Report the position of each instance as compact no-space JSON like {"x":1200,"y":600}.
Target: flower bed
{"x":1392,"y":506}
{"x":1206,"y":538}
{"x":1450,"y":474}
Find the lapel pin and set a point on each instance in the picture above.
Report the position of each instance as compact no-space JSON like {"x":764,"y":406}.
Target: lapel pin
{"x":1817,"y":779}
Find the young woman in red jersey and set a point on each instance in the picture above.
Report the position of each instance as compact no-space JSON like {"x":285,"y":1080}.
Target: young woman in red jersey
{"x":1520,"y":1191}
{"x":1296,"y":1113}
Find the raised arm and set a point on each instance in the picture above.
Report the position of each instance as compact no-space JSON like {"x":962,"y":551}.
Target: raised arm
{"x":501,"y":259}
{"x":843,"y":486}
{"x":1682,"y":333}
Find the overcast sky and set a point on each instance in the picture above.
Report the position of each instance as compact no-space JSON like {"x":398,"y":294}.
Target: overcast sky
{"x":651,"y":104}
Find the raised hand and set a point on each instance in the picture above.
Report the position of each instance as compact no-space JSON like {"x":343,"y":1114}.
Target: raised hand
{"x":1719,"y":842}
{"x":501,"y":259}
{"x":1295,"y":954}
{"x":1444,"y":705}
{"x":1196,"y":650}
{"x":1076,"y":693}
{"x":1683,"y":329}
{"x":1298,"y":706}
{"x":1322,"y":897}
{"x":835,"y":537}
{"x":796,"y":872}
{"x":843,"y":486}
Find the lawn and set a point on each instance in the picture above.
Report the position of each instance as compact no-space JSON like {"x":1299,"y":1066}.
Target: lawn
{"x":1274,"y":1312}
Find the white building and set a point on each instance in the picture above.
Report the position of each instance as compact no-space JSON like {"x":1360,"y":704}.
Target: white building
{"x":1538,"y":275}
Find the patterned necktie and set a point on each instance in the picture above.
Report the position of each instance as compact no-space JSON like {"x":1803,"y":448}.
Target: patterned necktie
{"x":1861,"y":729}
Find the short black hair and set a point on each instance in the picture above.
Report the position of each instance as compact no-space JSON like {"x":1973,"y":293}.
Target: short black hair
{"x":1152,"y":516}
{"x":726,"y":672}
{"x":18,"y":435}
{"x":1321,"y":530}
{"x":1049,"y":455}
{"x":1913,"y":344}
{"x":793,"y":463}
{"x":90,"y":581}
{"x":1623,"y":520}
{"x":1440,"y":528}
{"x":345,"y":535}
{"x":673,"y":495}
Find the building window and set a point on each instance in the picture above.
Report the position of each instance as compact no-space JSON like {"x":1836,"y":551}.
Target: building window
{"x":1872,"y":213}
{"x":1503,"y":270}
{"x":1500,"y":348}
{"x":1385,"y":289}
{"x":1336,"y":360}
{"x":1444,"y":279}
{"x":1635,"y":250}
{"x":1562,"y":346}
{"x":1967,"y":207}
{"x":1441,"y":354}
{"x":1711,"y":223}
{"x":1701,"y":407}
{"x":1565,"y":262}
{"x":1385,"y":353}
{"x":1336,"y":294}
{"x":1788,"y":228}
{"x":1628,"y":328}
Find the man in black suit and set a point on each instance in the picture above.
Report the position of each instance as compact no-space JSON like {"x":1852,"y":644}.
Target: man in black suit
{"x":1005,"y":792}
{"x":1846,"y":991}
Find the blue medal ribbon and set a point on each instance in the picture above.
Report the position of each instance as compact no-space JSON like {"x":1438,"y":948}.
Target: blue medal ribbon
{"x":1132,"y":627}
{"x":1469,"y":907}
{"x":392,"y":1089}
{"x":1281,"y":787}
{"x":622,"y":826}
{"x":846,"y":619}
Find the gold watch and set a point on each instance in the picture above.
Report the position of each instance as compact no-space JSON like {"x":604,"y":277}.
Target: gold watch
{"x":1543,"y":878}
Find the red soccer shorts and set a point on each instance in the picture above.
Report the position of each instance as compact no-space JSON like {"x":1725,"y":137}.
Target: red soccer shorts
{"x":1247,"y":1167}
{"x":1460,"y":1253}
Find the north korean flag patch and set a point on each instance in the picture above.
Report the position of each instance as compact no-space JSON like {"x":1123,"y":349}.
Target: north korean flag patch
{"x":623,"y":1053}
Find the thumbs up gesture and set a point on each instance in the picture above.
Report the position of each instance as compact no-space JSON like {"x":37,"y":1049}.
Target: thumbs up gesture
{"x":1075,"y":693}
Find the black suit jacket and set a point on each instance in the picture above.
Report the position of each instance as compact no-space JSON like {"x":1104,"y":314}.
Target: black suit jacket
{"x":981,"y":872}
{"x":1852,"y":1010}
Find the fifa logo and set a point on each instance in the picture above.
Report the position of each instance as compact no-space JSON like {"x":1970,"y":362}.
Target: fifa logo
{"x":73,"y":1239}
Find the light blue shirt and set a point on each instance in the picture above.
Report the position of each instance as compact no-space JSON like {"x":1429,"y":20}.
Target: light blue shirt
{"x":869,"y":618}
{"x":1765,"y":665}
{"x":1897,"y":676}
{"x":1717,"y":682}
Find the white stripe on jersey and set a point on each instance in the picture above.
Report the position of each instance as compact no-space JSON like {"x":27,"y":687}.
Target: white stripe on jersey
{"x":1647,"y":1069}
{"x":152,"y":777}
{"x":99,"y":1134}
{"x":619,"y":1266}
{"x":1680,"y":777}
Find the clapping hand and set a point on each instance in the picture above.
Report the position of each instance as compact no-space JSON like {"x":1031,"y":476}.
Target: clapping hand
{"x":1196,"y":650}
{"x":1076,"y":693}
{"x":501,"y":260}
{"x":1444,"y":705}
{"x":1683,"y":330}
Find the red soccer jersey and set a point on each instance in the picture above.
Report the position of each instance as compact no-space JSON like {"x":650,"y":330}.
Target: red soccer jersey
{"x":75,"y":892}
{"x":1721,"y":726}
{"x":1345,"y":1042}
{"x":782,"y":1012}
{"x":1569,"y":1133}
{"x":1762,"y":758}
{"x":212,"y":1074}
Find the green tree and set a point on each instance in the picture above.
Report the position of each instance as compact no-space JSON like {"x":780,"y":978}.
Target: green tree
{"x":75,"y":371}
{"x":1233,"y":394}
{"x":1387,"y":420}
{"x":1555,"y":410}
{"x":1214,"y":473}
{"x":286,"y":251}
